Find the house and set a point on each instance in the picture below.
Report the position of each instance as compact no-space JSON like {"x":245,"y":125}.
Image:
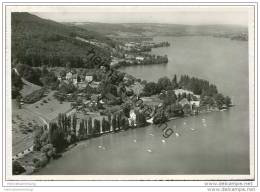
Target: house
{"x":131,"y":44}
{"x":132,"y":118}
{"x":94,"y":84}
{"x":69,"y":76}
{"x":75,"y":79}
{"x":195,"y":103}
{"x":82,"y":85}
{"x":88,"y":78}
{"x":181,"y":91}
{"x":59,"y":78}
{"x":127,"y":56}
{"x":139,"y":58}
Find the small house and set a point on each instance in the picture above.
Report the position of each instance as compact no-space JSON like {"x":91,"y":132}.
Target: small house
{"x":88,"y":78}
{"x":195,"y":103}
{"x":75,"y":79}
{"x":132,"y":118}
{"x":59,"y":78}
{"x":69,"y":76}
{"x":139,"y":58}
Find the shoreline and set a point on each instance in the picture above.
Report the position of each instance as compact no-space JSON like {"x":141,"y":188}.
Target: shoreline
{"x":30,"y":170}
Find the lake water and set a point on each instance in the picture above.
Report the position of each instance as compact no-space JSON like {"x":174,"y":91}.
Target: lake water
{"x":213,"y":143}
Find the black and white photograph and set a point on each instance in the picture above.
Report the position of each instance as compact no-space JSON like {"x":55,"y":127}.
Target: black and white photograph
{"x":130,"y":92}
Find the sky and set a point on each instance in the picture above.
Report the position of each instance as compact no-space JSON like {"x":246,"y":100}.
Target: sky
{"x":147,"y":14}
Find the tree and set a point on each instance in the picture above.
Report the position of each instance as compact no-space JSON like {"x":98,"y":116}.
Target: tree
{"x":164,"y":83}
{"x":49,"y":79}
{"x":30,"y":74}
{"x":56,"y":137}
{"x":86,"y":128}
{"x":220,"y":100}
{"x":124,"y":123}
{"x":17,"y":169}
{"x":114,"y":123}
{"x":160,"y":117}
{"x":126,"y":109}
{"x":151,"y":88}
{"x":74,"y":123}
{"x":140,"y":119}
{"x":17,"y":84}
{"x":228,"y":101}
{"x":168,"y":97}
{"x":104,"y":125}
{"x":109,"y":121}
{"x":63,"y":73}
{"x":189,"y":97}
{"x":118,"y":121}
{"x":67,"y":88}
{"x":37,"y":145}
{"x":96,"y":131}
{"x":90,"y":129}
{"x":174,"y":82}
{"x":68,"y":65}
{"x":81,"y":132}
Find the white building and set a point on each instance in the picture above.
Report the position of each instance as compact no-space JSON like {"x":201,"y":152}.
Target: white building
{"x":139,"y":58}
{"x":68,"y":75}
{"x":195,"y":103}
{"x":75,"y":81}
{"x":132,"y":118}
{"x":88,"y":78}
{"x":181,"y":91}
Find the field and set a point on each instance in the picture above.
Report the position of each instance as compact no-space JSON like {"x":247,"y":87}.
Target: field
{"x":49,"y":107}
{"x":39,"y":113}
{"x":23,"y":121}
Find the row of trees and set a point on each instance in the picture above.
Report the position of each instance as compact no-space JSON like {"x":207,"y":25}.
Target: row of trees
{"x":164,"y":83}
{"x":17,"y":84}
{"x":65,"y":131}
{"x":197,"y":86}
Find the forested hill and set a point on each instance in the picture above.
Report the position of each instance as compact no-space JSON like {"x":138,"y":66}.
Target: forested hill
{"x":37,"y":42}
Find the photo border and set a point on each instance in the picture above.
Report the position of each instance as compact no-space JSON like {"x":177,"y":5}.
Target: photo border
{"x":5,"y":4}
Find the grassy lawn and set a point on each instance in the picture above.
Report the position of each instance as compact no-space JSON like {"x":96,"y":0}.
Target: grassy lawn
{"x":28,"y":88}
{"x":29,"y":115}
{"x":152,"y":100}
{"x":22,"y":119}
{"x":49,"y":107}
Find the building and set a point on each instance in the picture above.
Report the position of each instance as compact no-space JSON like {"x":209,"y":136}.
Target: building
{"x":127,"y":56}
{"x":132,"y":118}
{"x":75,"y":79}
{"x":139,"y":58}
{"x":69,"y":76}
{"x":195,"y":103}
{"x":88,"y":78}
{"x":181,"y":91}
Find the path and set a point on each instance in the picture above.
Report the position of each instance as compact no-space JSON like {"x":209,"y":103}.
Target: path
{"x":30,"y":149}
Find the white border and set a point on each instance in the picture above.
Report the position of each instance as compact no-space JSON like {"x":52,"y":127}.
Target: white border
{"x":252,"y":59}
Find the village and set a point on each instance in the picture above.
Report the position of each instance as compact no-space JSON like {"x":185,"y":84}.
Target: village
{"x":137,"y":53}
{"x":100,"y":104}
{"x":79,"y":103}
